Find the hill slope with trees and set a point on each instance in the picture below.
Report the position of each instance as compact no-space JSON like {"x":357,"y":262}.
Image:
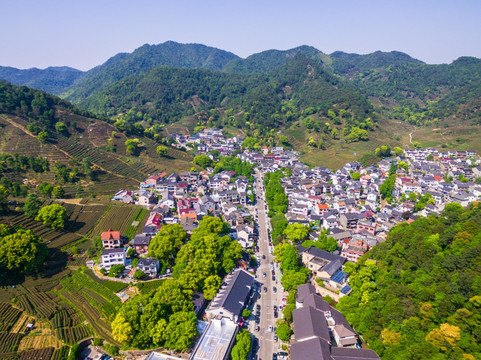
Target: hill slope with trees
{"x":418,"y":294}
{"x":54,"y":80}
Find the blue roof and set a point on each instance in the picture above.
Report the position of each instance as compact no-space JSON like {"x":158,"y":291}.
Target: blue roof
{"x":346,"y":289}
{"x":339,"y":276}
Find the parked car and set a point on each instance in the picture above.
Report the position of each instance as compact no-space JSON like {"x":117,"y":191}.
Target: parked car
{"x":258,"y":307}
{"x":265,"y":289}
{"x":273,"y":278}
{"x":275,"y":338}
{"x":276,"y":314}
{"x":263,"y":274}
{"x":269,"y":328}
{"x":274,"y":289}
{"x":275,"y":307}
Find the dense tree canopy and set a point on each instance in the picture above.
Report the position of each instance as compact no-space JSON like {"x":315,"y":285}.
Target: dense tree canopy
{"x":419,"y":295}
{"x":21,"y":251}
{"x":165,"y":317}
{"x":167,"y":242}
{"x":53,"y":216}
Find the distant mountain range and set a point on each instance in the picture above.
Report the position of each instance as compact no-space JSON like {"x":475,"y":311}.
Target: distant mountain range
{"x":269,"y":90}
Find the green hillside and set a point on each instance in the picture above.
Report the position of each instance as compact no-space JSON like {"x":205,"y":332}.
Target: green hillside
{"x":269,"y":60}
{"x":54,"y":80}
{"x":84,"y":154}
{"x":144,"y":59}
{"x":408,"y":307}
{"x":339,"y":103}
{"x":261,"y":101}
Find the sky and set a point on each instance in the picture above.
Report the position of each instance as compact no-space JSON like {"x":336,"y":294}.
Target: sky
{"x":84,"y":34}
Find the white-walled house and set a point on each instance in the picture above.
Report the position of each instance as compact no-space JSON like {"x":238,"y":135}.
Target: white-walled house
{"x":111,"y":257}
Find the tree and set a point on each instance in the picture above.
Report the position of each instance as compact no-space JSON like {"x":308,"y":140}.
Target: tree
{"x":167,"y":242}
{"x":74,"y":352}
{"x":242,"y":347}
{"x":383,"y":151}
{"x":398,"y":151}
{"x":211,"y":286}
{"x":284,"y":332}
{"x":246,"y":313}
{"x":181,"y":330}
{"x":58,"y":192}
{"x":3,"y":199}
{"x":416,"y":144}
{"x":162,"y":150}
{"x":296,"y":232}
{"x":121,"y":329}
{"x":328,"y":244}
{"x":21,"y":251}
{"x":116,"y":270}
{"x":390,"y":337}
{"x":292,"y":279}
{"x":53,"y":216}
{"x":355,"y":176}
{"x":87,"y":167}
{"x":45,"y":189}
{"x":283,"y":139}
{"x":32,"y":205}
{"x":203,"y":161}
{"x":444,"y":337}
{"x":42,"y":137}
{"x":139,"y":275}
{"x":60,"y":127}
{"x":290,"y":259}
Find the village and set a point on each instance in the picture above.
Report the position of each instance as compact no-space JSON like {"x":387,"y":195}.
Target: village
{"x":352,"y":205}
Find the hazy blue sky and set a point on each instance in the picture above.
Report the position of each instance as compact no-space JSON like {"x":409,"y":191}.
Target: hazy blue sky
{"x":83,"y":34}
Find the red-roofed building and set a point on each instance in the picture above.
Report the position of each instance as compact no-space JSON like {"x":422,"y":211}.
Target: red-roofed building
{"x":111,"y":239}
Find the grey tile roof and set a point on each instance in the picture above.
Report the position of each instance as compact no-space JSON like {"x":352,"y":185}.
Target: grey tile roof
{"x":314,"y":349}
{"x":353,"y":354}
{"x":309,"y":322}
{"x":233,"y":296}
{"x":326,"y":255}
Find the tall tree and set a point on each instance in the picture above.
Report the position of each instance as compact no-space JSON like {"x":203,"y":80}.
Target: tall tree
{"x":53,"y":216}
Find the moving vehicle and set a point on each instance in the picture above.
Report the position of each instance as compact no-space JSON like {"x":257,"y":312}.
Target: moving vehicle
{"x":263,"y":274}
{"x":274,"y":289}
{"x":276,"y":314}
{"x":265,"y":289}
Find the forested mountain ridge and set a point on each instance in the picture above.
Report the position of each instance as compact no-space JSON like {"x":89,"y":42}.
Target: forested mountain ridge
{"x":269,"y":60}
{"x":263,"y":100}
{"x":54,"y":80}
{"x":144,"y":59}
{"x":418,"y":294}
{"x":372,"y":93}
{"x":346,"y":64}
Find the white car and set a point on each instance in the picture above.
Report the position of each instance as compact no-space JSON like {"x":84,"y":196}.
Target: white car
{"x":270,"y":328}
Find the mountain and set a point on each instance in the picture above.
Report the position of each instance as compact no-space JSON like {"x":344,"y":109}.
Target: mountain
{"x":146,"y":58}
{"x":425,"y":92}
{"x":54,"y":80}
{"x":345,"y":64}
{"x":166,"y":94}
{"x":269,"y":60}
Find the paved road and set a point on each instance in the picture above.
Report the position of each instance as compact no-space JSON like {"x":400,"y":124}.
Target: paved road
{"x":269,"y":298}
